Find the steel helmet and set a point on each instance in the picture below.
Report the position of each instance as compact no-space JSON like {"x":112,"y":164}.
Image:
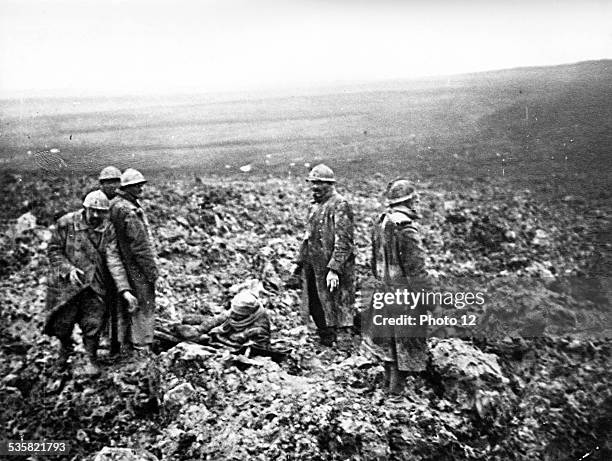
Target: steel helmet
{"x":321,"y":173}
{"x":110,"y":172}
{"x":399,"y":191}
{"x":132,"y":176}
{"x":97,"y":200}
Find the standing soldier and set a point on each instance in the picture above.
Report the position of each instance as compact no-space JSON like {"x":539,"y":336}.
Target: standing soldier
{"x":326,"y":259}
{"x":136,"y":326}
{"x":398,"y":262}
{"x":84,"y":262}
{"x":110,"y":180}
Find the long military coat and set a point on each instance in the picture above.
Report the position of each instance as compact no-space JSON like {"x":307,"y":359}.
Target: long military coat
{"x":398,"y":261}
{"x":135,"y":246}
{"x":328,"y":245}
{"x":138,"y":255}
{"x":74,"y":244}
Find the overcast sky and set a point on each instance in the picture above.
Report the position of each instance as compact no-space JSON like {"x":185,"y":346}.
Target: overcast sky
{"x":149,"y":46}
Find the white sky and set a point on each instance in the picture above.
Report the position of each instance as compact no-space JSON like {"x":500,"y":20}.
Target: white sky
{"x":152,"y":46}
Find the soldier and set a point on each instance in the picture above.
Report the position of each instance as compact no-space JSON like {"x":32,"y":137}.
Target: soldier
{"x":110,"y":180}
{"x":398,"y":262}
{"x":246,"y":321}
{"x":326,"y":259}
{"x":84,"y":262}
{"x":136,"y":326}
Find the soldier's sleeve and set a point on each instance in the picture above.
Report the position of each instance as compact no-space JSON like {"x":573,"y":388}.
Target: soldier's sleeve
{"x":55,"y":251}
{"x":411,"y":252}
{"x":343,"y":238}
{"x":212,"y":322}
{"x":259,"y":332}
{"x":141,"y":246}
{"x":114,"y":262}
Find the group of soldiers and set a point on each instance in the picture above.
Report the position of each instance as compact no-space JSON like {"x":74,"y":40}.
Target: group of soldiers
{"x":103,"y":266}
{"x":326,"y":264}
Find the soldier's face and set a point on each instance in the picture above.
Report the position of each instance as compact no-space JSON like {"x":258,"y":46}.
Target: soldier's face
{"x":320,"y":190}
{"x":135,"y":189}
{"x":95,"y":217}
{"x":109,"y":187}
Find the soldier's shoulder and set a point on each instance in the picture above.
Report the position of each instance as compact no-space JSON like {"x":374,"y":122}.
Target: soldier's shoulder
{"x":68,"y":219}
{"x":405,"y":224}
{"x":399,"y":219}
{"x":119,"y":205}
{"x":340,"y":202}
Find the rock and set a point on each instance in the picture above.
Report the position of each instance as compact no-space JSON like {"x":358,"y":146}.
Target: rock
{"x":541,"y":238}
{"x":186,"y":352}
{"x":467,"y":374}
{"x":356,"y":361}
{"x":25,"y":222}
{"x":510,"y":235}
{"x":179,"y":395}
{"x":454,"y":358}
{"x":124,"y":454}
{"x":253,"y":285}
{"x":195,"y":416}
{"x":182,"y":221}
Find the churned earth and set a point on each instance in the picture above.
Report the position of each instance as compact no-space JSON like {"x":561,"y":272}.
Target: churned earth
{"x":535,"y":386}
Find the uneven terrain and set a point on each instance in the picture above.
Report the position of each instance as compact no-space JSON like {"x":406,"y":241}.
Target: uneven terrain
{"x":513,"y":170}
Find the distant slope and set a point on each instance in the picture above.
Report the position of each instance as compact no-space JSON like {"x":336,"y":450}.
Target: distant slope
{"x":514,"y":125}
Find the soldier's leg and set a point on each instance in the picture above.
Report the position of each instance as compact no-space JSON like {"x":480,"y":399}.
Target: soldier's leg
{"x":142,"y":322}
{"x":124,"y":334}
{"x":397,"y":377}
{"x":61,"y":326}
{"x":326,"y":334}
{"x":345,"y":338}
{"x":93,"y":309}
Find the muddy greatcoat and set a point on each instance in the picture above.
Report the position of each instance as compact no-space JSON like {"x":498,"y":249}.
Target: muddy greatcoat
{"x":74,"y":244}
{"x":138,"y":256}
{"x":398,"y":261}
{"x":328,"y":245}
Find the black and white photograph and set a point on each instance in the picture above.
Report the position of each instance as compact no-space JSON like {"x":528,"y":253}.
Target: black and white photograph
{"x":306,"y":230}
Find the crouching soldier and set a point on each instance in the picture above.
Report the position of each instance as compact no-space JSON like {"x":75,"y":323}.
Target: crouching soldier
{"x":246,"y":321}
{"x":85,"y":263}
{"x":398,"y":262}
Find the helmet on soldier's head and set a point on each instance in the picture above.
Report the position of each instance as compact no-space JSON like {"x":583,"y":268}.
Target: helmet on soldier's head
{"x":110,"y":172}
{"x":399,"y":191}
{"x":131,"y":177}
{"x":245,"y":303}
{"x":321,"y":173}
{"x":96,"y":200}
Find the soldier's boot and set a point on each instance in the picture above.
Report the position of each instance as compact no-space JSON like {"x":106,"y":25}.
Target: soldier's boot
{"x":142,"y":351}
{"x":65,"y":353}
{"x":345,"y":340}
{"x":91,"y":366}
{"x":397,"y":380}
{"x":327,"y":336}
{"x":115,"y":349}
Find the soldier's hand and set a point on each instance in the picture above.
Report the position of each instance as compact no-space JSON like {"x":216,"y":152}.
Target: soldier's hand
{"x":332,"y":280}
{"x":131,"y":300}
{"x":76,"y":277}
